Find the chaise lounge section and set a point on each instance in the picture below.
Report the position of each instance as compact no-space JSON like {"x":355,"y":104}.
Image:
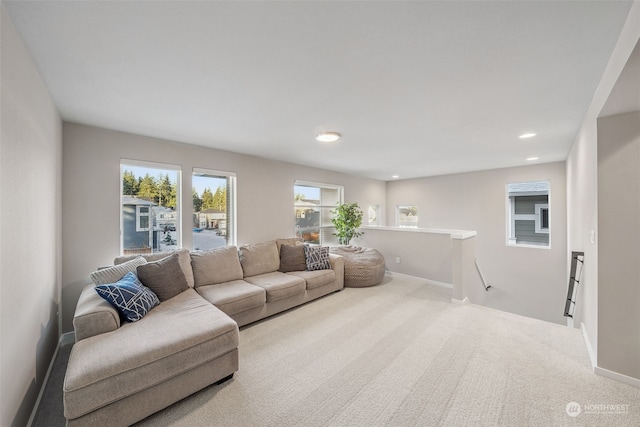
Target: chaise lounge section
{"x":120,"y":372}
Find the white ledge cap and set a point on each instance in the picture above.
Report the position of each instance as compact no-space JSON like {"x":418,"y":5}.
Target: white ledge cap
{"x":455,"y":234}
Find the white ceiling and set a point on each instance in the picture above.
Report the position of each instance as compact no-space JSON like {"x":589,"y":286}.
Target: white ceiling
{"x":416,"y":88}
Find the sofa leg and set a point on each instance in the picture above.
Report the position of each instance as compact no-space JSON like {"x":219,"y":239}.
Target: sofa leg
{"x":225,"y":379}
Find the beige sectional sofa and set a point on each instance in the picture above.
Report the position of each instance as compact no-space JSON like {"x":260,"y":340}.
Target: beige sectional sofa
{"x":120,"y":372}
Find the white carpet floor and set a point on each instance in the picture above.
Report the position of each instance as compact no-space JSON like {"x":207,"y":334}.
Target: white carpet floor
{"x":401,"y":354}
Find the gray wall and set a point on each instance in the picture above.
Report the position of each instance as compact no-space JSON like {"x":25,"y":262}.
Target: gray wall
{"x":619,"y":246}
{"x":582,"y":217}
{"x":527,"y":281}
{"x":583,"y":192}
{"x":91,"y":200}
{"x":30,"y":165}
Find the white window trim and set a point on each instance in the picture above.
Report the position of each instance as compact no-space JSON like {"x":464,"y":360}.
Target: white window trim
{"x":152,"y":165}
{"x":376,"y":209}
{"x":231,"y":199}
{"x":340,"y":188}
{"x":300,"y":182}
{"x":398,"y":216}
{"x":212,"y":172}
{"x":511,"y":217}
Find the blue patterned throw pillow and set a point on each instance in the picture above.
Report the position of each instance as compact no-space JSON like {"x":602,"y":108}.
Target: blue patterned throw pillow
{"x":130,"y":297}
{"x":317,"y":257}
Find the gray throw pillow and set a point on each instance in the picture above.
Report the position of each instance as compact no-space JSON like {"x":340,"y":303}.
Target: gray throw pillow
{"x":317,"y":257}
{"x":185,"y":261}
{"x":114,"y":273}
{"x":292,"y":258}
{"x":164,"y":277}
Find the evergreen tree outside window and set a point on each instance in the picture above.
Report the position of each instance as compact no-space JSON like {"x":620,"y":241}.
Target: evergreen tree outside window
{"x":214,"y":209}
{"x":150,"y":211}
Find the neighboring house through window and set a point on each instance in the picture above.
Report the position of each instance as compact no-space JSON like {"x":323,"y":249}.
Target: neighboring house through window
{"x":313,"y":203}
{"x":407,"y":216}
{"x":528,"y":213}
{"x":150,"y":195}
{"x":214,"y":209}
{"x":142,"y":213}
{"x":372,"y":214}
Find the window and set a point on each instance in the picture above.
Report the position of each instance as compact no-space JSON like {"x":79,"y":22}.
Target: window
{"x":142,"y":218}
{"x":313,"y":203}
{"x":542,"y":218}
{"x":214,"y":209}
{"x":407,"y":216}
{"x":372,"y":214}
{"x":528,"y":213}
{"x":150,"y":211}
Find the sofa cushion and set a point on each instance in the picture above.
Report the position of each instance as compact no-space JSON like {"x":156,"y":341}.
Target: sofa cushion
{"x":259,"y":258}
{"x":317,"y":257}
{"x":216,"y":266}
{"x":185,"y":261}
{"x":278,"y":285}
{"x":291,"y":241}
{"x":130,"y":297}
{"x":234,"y":297}
{"x":292,"y":258}
{"x":317,"y":278}
{"x":114,"y":273}
{"x":164,"y":277}
{"x":175,"y":337}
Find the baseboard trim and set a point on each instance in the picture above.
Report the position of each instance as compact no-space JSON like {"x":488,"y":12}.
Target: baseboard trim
{"x":64,"y":339}
{"x":592,"y":354}
{"x":431,"y":282}
{"x":602,"y":371}
{"x":463,"y":301}
{"x":617,"y":376}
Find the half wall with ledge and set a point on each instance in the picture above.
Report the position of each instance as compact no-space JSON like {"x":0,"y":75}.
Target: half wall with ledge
{"x":445,"y":257}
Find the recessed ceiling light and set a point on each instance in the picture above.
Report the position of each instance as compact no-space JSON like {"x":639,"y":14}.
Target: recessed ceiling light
{"x":530,"y":159}
{"x":328,"y":137}
{"x":395,"y":176}
{"x":527,"y":135}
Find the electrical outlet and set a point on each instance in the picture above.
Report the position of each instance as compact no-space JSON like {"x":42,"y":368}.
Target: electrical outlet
{"x":593,"y":236}
{"x":397,"y":260}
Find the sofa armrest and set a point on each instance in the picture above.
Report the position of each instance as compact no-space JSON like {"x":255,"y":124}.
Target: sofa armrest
{"x":337,"y":265}
{"x":94,"y":315}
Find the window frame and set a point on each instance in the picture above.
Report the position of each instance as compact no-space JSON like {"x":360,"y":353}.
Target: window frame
{"x":140,"y":214}
{"x":399,"y":207}
{"x":134,"y":163}
{"x":540,"y":208}
{"x":323,"y":228}
{"x":512,"y":217}
{"x":376,"y":210}
{"x":232,"y":217}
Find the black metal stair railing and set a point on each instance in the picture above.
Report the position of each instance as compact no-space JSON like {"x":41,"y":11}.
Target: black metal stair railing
{"x":577,"y":264}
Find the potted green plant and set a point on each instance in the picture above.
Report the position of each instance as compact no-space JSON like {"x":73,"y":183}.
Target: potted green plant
{"x":347,"y":219}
